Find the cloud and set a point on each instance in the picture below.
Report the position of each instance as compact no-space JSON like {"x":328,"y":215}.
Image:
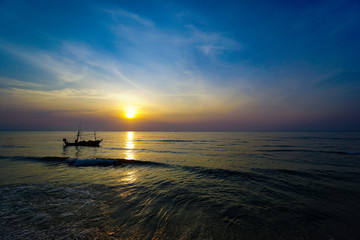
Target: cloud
{"x":10,"y":82}
{"x":122,"y":14}
{"x":82,"y":78}
{"x":171,"y":44}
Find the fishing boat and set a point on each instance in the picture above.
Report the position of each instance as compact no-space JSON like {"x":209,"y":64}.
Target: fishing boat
{"x":88,"y":143}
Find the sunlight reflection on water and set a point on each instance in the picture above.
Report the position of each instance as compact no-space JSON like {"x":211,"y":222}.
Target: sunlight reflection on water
{"x":130,"y":146}
{"x":130,"y":177}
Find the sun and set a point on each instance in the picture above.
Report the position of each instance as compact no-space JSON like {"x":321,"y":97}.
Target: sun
{"x":130,"y":113}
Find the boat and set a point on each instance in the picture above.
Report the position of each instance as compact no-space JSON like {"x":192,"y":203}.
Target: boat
{"x":88,"y":143}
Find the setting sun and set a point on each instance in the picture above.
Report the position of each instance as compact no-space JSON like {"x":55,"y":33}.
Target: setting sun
{"x":130,"y":114}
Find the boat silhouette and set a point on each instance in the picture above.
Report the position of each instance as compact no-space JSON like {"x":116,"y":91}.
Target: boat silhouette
{"x":88,"y":143}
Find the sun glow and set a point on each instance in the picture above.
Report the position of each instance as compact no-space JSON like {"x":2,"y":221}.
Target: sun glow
{"x":130,"y":113}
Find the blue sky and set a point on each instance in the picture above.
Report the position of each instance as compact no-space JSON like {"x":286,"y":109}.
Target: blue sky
{"x":181,"y":65}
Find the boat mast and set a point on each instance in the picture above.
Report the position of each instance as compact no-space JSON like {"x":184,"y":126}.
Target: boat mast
{"x":78,"y":133}
{"x":95,"y":135}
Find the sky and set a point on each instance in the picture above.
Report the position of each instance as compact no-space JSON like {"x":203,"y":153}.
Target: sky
{"x":180,"y":65}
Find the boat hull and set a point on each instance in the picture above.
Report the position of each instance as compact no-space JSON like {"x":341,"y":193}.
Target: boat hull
{"x":89,"y":143}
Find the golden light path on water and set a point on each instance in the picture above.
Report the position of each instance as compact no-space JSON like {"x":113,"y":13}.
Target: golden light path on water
{"x":130,"y":146}
{"x":130,"y":175}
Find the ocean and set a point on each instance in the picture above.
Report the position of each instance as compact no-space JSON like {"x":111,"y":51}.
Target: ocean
{"x":181,"y":185}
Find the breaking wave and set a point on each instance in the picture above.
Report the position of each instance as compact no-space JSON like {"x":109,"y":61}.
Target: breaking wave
{"x":253,"y":174}
{"x":77,"y":162}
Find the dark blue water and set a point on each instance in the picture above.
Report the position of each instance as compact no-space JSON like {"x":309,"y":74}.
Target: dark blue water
{"x":175,"y":185}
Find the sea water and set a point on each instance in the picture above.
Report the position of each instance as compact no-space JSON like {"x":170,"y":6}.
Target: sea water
{"x":181,"y":185}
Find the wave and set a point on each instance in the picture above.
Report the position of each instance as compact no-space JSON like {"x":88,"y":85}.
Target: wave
{"x":77,"y":162}
{"x":225,"y":174}
{"x":175,"y":141}
{"x":280,"y":146}
{"x":203,"y":171}
{"x":245,"y":175}
{"x":12,"y":146}
{"x":115,"y":162}
{"x":309,"y":151}
{"x":148,"y":150}
{"x":218,"y":173}
{"x":324,"y":138}
{"x":232,"y":175}
{"x":108,"y":162}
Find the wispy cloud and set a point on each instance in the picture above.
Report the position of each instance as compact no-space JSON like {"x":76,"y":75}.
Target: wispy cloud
{"x":122,"y":14}
{"x":10,"y":82}
{"x":80,"y":75}
{"x":149,"y":38}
